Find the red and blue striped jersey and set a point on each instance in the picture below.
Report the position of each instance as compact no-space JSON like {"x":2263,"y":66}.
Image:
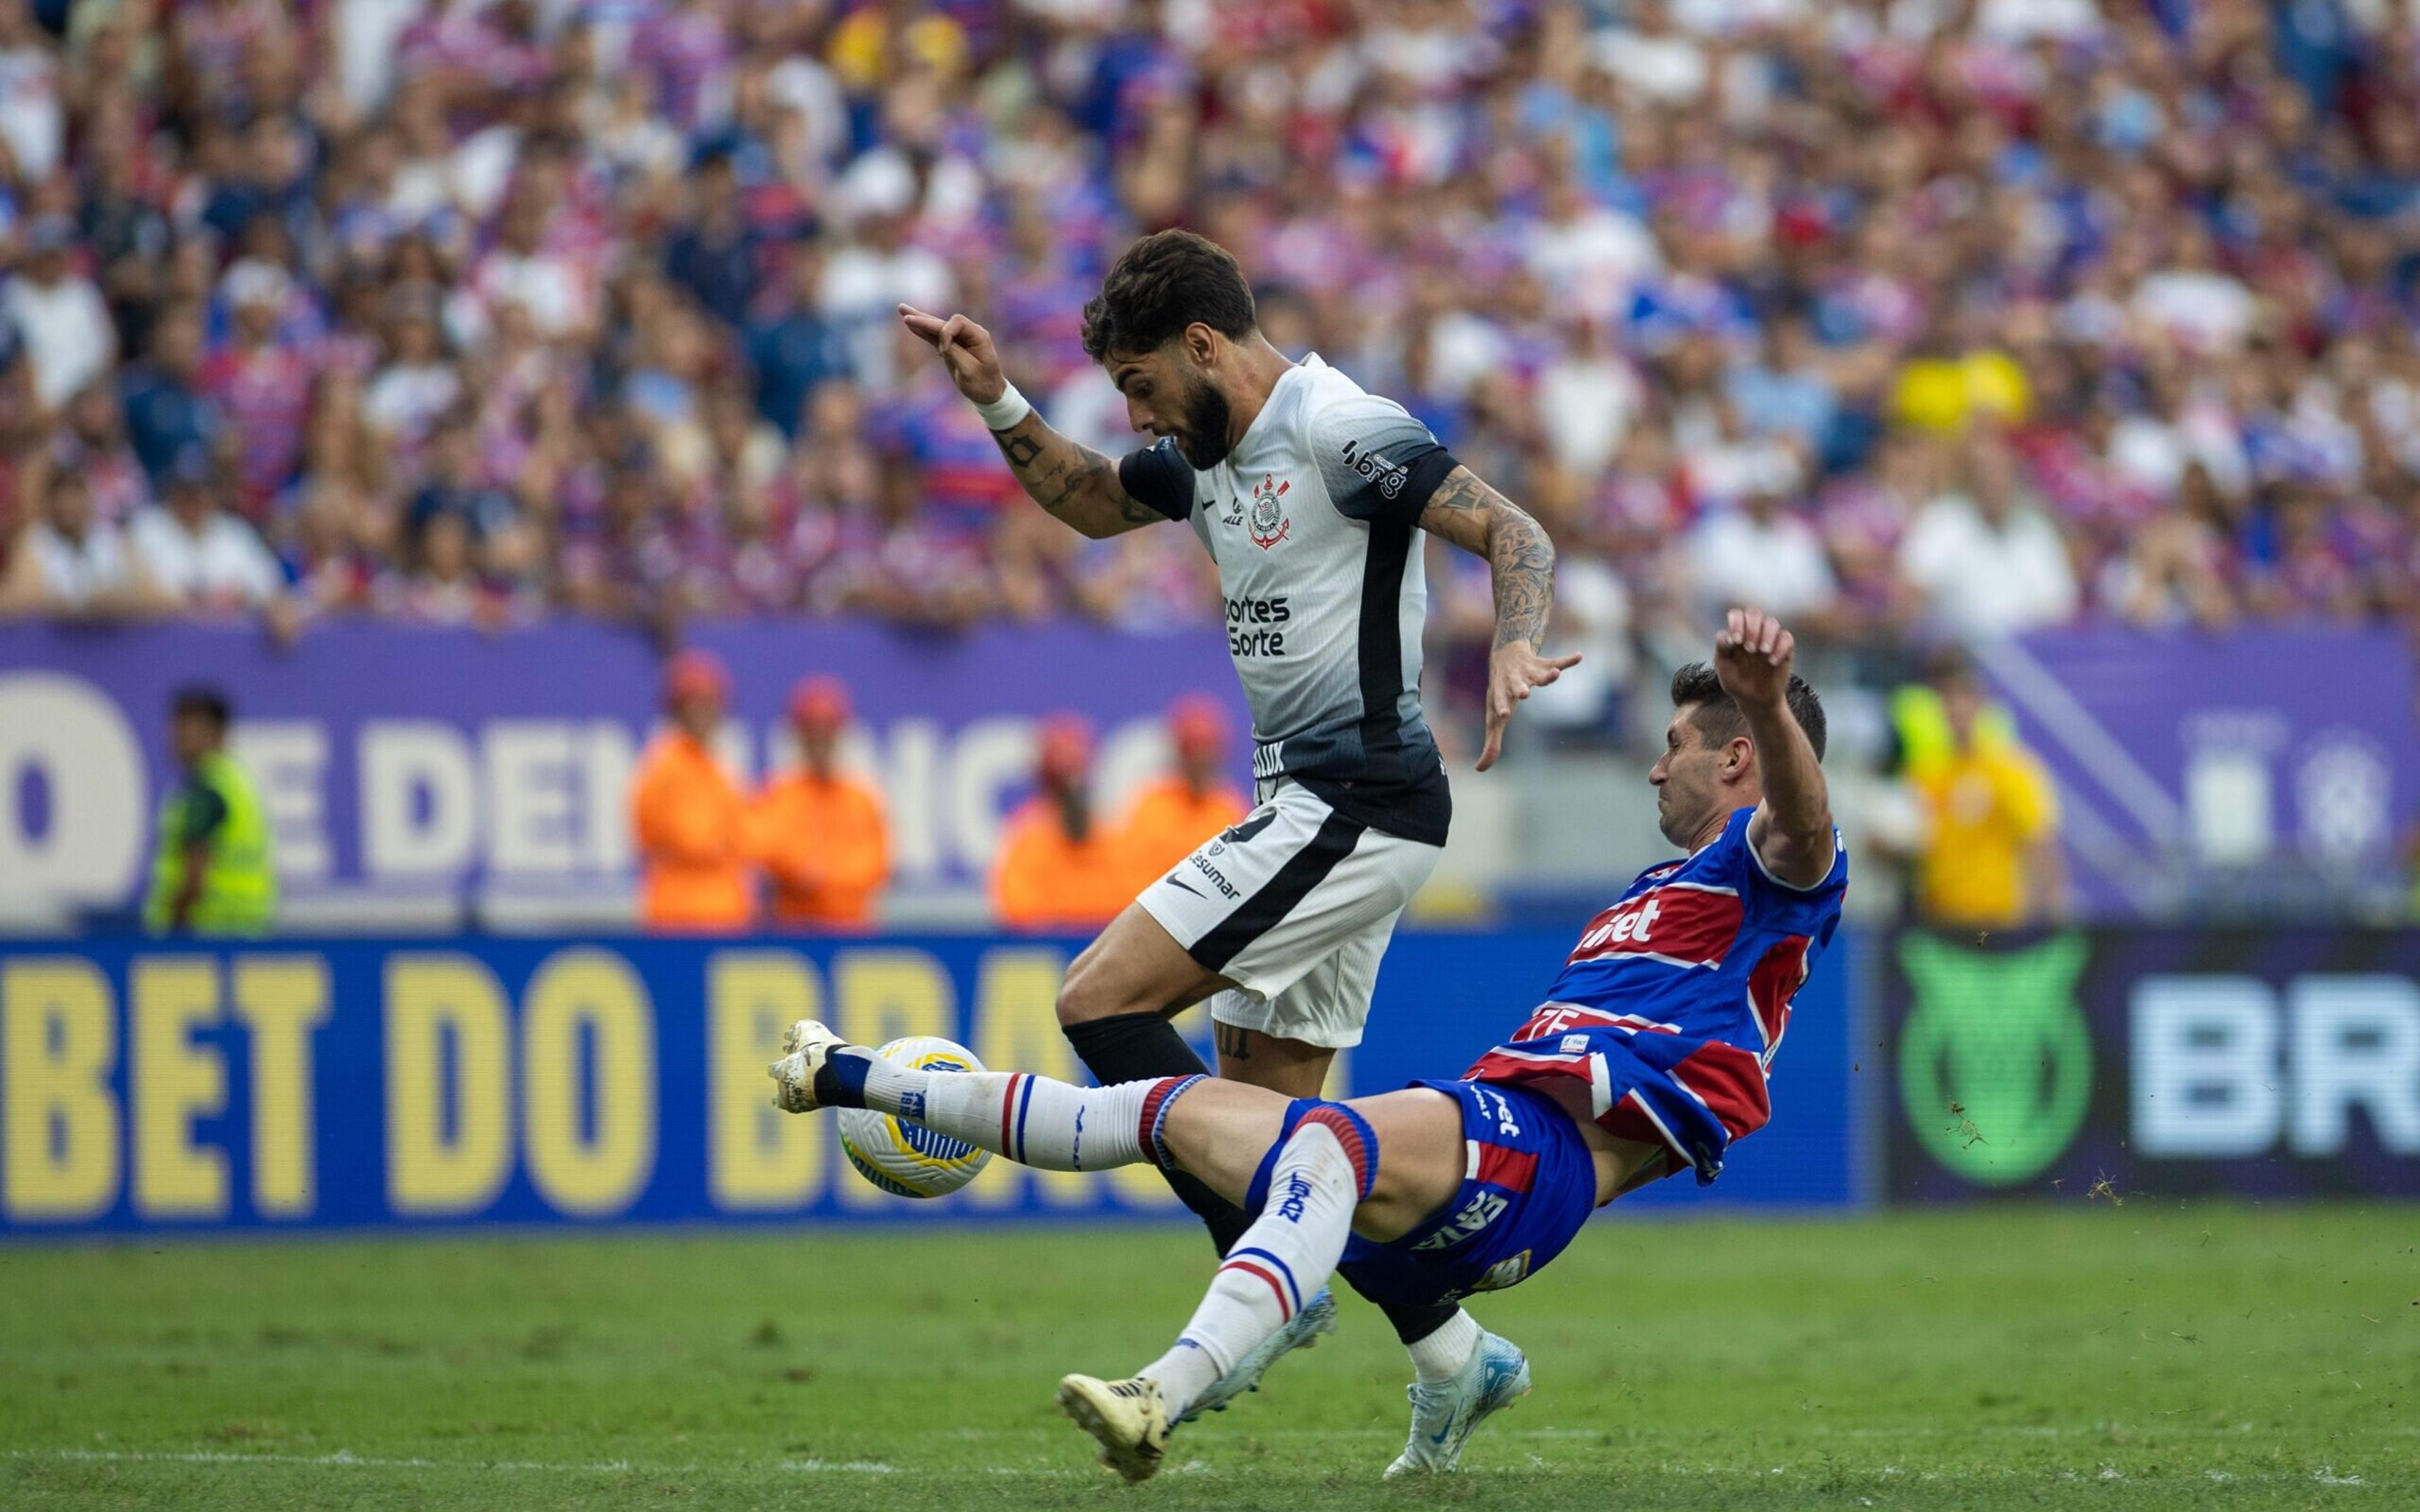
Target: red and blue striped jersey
{"x":1676,"y":998}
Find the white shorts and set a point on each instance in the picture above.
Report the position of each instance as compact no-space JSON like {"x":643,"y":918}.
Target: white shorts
{"x":1295,"y":904}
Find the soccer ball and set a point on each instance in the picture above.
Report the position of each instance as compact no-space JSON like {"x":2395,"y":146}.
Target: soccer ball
{"x":904,"y":1159}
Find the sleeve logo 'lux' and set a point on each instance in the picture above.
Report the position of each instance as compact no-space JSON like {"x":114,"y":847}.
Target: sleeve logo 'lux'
{"x":1389,"y":477}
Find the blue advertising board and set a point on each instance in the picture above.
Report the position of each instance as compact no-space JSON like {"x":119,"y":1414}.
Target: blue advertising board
{"x":446,"y":763}
{"x":399,"y":1084}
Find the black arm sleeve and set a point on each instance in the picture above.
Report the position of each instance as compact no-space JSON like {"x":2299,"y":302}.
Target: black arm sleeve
{"x":1158,"y":477}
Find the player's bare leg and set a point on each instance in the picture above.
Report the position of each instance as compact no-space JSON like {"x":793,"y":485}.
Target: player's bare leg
{"x":1134,"y":966}
{"x":1293,"y":1067}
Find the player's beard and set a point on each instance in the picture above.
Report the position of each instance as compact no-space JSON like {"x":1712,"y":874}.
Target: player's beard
{"x":1201,"y":433}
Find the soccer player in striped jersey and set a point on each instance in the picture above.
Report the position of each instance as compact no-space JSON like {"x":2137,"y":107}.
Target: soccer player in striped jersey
{"x":1649,"y":1057}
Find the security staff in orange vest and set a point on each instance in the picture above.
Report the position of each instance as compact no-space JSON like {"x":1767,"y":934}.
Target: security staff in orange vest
{"x":1060,"y":868}
{"x":1194,"y":801}
{"x":690,"y":821}
{"x":819,"y":832}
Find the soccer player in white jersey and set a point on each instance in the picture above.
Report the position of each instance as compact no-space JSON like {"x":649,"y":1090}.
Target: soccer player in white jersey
{"x":1311,"y":497}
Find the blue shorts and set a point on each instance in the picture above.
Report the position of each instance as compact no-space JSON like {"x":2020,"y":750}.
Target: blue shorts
{"x":1527,"y":1186}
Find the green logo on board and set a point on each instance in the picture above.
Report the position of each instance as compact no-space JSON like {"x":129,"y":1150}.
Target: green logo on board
{"x":1995,"y":1064}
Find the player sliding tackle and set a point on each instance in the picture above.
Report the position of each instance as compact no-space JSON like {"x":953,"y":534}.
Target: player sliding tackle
{"x":1648,"y":1056}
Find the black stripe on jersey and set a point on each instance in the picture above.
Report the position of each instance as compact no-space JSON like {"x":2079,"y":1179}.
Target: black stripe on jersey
{"x":1264,"y":910}
{"x":1381,"y":640}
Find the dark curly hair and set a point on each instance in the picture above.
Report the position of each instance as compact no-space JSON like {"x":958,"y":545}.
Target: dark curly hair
{"x":1161,"y":284}
{"x":1717,"y":715}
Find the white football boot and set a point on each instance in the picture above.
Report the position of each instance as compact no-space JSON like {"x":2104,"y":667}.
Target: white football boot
{"x":1128,"y":1417}
{"x":1300,"y":1332}
{"x":1443,"y":1415}
{"x":805,"y":1047}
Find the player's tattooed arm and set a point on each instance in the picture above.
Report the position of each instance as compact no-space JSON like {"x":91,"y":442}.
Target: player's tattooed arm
{"x":1071,"y":481}
{"x":1521,"y":564}
{"x":1791,"y":830}
{"x":1074,"y":483}
{"x":1520,"y":559}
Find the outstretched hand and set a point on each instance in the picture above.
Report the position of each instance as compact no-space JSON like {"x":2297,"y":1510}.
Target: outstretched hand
{"x":966,"y":350}
{"x":1512,"y":670}
{"x":1752,"y":657}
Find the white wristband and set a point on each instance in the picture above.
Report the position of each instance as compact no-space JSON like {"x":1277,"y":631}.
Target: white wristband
{"x":1007,"y":411}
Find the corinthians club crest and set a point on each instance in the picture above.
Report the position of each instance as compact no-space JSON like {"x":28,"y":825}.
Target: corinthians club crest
{"x":1269,"y":523}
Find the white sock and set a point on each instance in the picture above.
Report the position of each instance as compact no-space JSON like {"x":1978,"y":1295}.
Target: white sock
{"x":1051,"y":1125}
{"x":1280,"y":1263}
{"x":1441,"y":1355}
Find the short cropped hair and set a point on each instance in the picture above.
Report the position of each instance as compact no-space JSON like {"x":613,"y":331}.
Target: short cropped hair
{"x":1717,"y":715}
{"x":199,"y":703}
{"x":1161,"y":284}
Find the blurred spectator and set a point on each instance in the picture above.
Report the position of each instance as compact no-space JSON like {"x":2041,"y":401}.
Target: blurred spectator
{"x":1762,"y":555}
{"x":167,"y":414}
{"x":1195,"y":800}
{"x":74,"y":565}
{"x":59,"y":314}
{"x":416,"y":385}
{"x":714,"y":257}
{"x":212,"y":869}
{"x":1989,"y":856}
{"x":91,"y":443}
{"x":686,"y":815}
{"x":820,"y":831}
{"x":797,"y":351}
{"x":261,"y":384}
{"x":31,"y":125}
{"x":1985,"y":560}
{"x":1058,"y":866}
{"x":203,"y":558}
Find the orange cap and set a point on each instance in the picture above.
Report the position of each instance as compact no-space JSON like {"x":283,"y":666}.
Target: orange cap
{"x":1065,"y":748}
{"x":1197,"y":725}
{"x":820,"y":701}
{"x":695,"y":674}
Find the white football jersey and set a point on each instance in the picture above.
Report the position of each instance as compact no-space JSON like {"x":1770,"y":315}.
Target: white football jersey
{"x":1313,"y":522}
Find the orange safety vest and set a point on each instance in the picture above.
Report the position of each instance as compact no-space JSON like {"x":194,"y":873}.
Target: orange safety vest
{"x":1167,"y":820}
{"x":1045,"y":881}
{"x":824,"y":842}
{"x":692,"y":830}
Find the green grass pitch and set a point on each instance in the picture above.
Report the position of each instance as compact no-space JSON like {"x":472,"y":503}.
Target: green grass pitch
{"x":2078,"y":1356}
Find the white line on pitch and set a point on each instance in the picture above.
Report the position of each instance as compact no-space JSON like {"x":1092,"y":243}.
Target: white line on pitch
{"x":347,"y":1458}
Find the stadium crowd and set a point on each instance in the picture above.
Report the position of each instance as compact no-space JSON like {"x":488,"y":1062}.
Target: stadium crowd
{"x":1969,"y":314}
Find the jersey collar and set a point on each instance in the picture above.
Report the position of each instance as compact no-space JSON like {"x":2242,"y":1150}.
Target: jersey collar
{"x":1311,"y":362}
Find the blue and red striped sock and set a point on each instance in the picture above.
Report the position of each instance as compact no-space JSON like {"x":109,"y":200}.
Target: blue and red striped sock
{"x":1320,"y":1176}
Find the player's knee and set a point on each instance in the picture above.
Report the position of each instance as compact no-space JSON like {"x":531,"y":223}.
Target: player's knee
{"x":1085,"y":992}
